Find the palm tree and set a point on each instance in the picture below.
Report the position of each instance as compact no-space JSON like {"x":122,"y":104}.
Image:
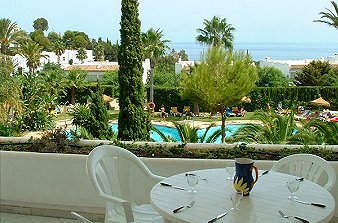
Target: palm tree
{"x":276,"y":129}
{"x":10,"y":90}
{"x":216,"y":32}
{"x":81,"y":54}
{"x":54,"y":78}
{"x":75,"y":79}
{"x":188,"y":134}
{"x":32,"y":52}
{"x":10,"y":33}
{"x":307,"y":136}
{"x":59,"y":49}
{"x":153,"y":47}
{"x":330,"y":17}
{"x":328,"y":131}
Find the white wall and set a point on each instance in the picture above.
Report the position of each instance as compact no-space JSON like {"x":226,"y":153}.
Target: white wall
{"x":20,"y":61}
{"x":285,"y":68}
{"x":180,"y":65}
{"x":54,"y":184}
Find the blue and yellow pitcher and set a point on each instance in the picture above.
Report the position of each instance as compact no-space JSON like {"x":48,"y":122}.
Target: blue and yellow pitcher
{"x":243,"y":179}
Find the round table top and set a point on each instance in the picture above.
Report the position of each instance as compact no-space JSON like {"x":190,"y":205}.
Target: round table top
{"x":269,"y":195}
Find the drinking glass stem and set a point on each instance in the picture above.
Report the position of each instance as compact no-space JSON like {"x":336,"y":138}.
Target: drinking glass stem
{"x":293,"y":196}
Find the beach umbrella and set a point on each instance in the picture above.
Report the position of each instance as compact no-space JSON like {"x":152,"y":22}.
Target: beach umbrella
{"x":106,"y":98}
{"x":246,"y":99}
{"x":320,"y":101}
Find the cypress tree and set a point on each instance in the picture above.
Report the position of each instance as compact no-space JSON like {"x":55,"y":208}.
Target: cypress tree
{"x":134,"y":124}
{"x":98,"y":125}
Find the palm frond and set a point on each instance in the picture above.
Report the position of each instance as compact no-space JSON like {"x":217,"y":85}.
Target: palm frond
{"x":164,"y":137}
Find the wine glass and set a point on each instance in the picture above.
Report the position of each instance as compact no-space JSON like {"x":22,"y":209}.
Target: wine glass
{"x":230,"y":168}
{"x":235,"y":196}
{"x":192,"y":180}
{"x":293,"y":186}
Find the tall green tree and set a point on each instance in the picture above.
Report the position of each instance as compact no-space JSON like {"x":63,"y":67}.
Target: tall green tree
{"x":75,"y":40}
{"x":216,"y":32}
{"x":154,"y":48}
{"x":330,"y":17}
{"x":32,"y":52}
{"x":37,"y":100}
{"x":53,"y":37}
{"x":165,"y":71}
{"x":54,"y":78}
{"x":10,"y":90}
{"x":39,"y":37}
{"x":112,"y":78}
{"x":183,"y":55}
{"x":10,"y":33}
{"x":111,"y":51}
{"x":81,"y":54}
{"x":271,"y":77}
{"x":59,"y":49}
{"x":75,"y":79}
{"x":99,"y":126}
{"x":40,"y":24}
{"x":313,"y":74}
{"x":134,"y":122}
{"x":154,"y":45}
{"x":220,"y":80}
{"x":99,"y":52}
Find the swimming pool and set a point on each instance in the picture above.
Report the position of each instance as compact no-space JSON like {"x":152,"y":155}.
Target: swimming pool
{"x":173,"y":133}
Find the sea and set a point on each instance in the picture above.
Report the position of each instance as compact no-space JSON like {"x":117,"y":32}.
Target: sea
{"x":273,"y":50}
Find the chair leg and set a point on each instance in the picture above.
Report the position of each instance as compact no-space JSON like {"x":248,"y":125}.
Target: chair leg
{"x":80,"y":217}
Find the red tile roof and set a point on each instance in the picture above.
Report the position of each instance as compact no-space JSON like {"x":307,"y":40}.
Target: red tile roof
{"x":101,"y":68}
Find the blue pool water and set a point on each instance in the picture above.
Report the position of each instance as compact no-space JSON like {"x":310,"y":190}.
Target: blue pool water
{"x":173,"y":133}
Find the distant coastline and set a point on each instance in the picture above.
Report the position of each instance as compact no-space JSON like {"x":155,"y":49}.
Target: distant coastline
{"x":277,"y":51}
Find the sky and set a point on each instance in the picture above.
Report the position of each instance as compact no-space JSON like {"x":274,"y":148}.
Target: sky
{"x":255,"y":21}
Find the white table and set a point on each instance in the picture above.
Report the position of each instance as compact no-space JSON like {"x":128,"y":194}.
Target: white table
{"x":269,"y":195}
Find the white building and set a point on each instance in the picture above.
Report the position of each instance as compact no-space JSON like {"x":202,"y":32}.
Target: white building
{"x":95,"y":69}
{"x":51,"y":57}
{"x":183,"y":65}
{"x":291,"y":67}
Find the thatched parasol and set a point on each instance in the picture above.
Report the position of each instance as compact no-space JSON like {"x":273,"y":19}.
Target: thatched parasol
{"x":246,"y":99}
{"x":106,"y":98}
{"x":320,"y":101}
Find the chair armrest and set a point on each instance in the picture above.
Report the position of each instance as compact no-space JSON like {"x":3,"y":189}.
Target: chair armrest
{"x":125,"y":204}
{"x":112,"y":198}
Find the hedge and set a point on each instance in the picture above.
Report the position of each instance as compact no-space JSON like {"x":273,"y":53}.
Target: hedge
{"x":291,"y":97}
{"x":162,"y":151}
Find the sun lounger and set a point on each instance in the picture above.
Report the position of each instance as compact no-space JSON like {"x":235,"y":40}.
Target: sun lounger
{"x":174,"y":111}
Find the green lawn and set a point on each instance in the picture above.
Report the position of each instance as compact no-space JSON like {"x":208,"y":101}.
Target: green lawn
{"x":248,"y":116}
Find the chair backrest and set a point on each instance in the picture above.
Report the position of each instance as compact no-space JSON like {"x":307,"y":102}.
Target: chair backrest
{"x":118,"y":172}
{"x":311,"y":167}
{"x":186,"y":108}
{"x":174,"y":110}
{"x":235,"y":109}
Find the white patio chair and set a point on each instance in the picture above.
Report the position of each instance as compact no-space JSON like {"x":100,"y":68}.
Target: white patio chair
{"x":311,"y":167}
{"x":125,"y":182}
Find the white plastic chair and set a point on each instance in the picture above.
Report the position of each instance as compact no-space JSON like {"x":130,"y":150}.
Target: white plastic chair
{"x":311,"y":167}
{"x":125,"y":182}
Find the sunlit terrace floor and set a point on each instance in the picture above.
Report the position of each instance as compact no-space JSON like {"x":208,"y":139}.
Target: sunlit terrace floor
{"x":19,"y":218}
